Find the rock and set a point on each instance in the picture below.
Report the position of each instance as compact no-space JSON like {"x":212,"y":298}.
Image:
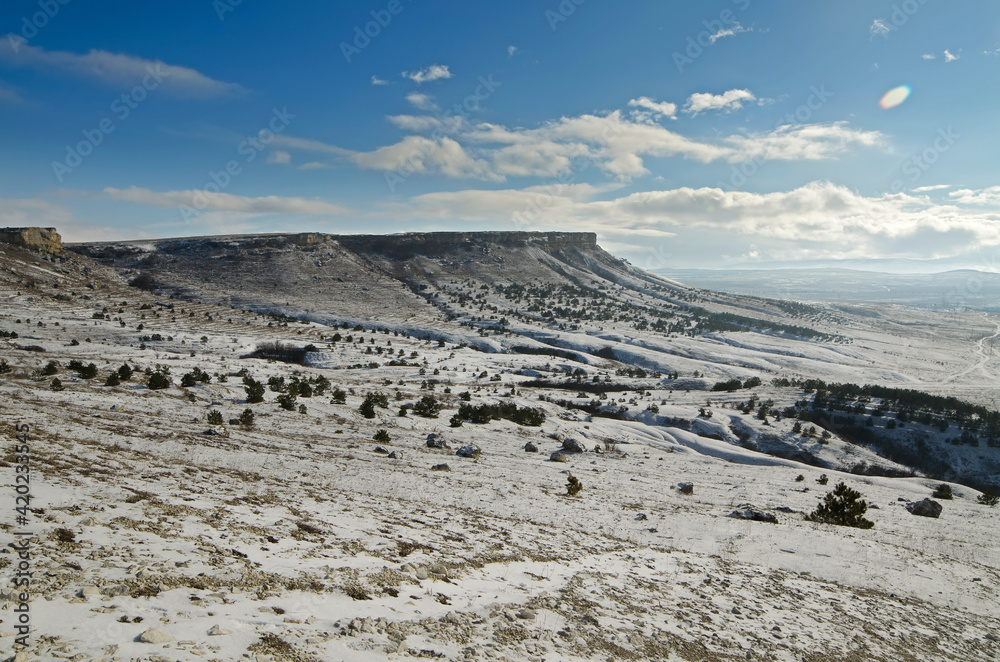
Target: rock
{"x":39,"y":239}
{"x":396,"y":455}
{"x":558,"y":456}
{"x":597,"y":449}
{"x":573,"y":446}
{"x":90,"y":590}
{"x":441,"y":467}
{"x":89,"y":521}
{"x":421,"y":573}
{"x":438,"y":569}
{"x":381,"y":451}
{"x":526,"y":614}
{"x":155,"y":636}
{"x":685,"y":488}
{"x":217,"y":631}
{"x":530,"y":448}
{"x":21,"y":656}
{"x":925,"y":508}
{"x":469,"y":450}
{"x":436,"y":441}
{"x":747,"y":511}
{"x":216,"y":430}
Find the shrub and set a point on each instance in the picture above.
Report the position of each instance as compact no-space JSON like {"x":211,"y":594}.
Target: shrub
{"x":4,"y":366}
{"x":88,"y":371}
{"x":339,"y":397}
{"x":157,"y":381}
{"x":799,"y":478}
{"x":382,"y":437}
{"x":367,"y":409}
{"x":254,"y":389}
{"x":573,"y":486}
{"x":843,"y":507}
{"x":823,"y":480}
{"x":427,"y":407}
{"x":286,"y":401}
{"x":56,"y":385}
{"x":988,"y":498}
{"x":51,"y":368}
{"x":125,"y":372}
{"x":943,"y":491}
{"x":246,"y":418}
{"x":74,"y":342}
{"x":455,"y":421}
{"x":215,"y":417}
{"x":113,"y":379}
{"x":302,"y":409}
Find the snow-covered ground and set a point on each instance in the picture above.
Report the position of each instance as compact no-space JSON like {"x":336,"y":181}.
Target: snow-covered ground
{"x":294,"y":539}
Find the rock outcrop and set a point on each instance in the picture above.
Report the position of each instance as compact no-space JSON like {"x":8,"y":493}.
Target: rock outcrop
{"x":36,"y":239}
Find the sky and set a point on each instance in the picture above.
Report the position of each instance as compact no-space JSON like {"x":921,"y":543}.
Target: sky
{"x":710,"y":134}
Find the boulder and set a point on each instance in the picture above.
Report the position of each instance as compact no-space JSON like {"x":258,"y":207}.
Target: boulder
{"x":436,"y":441}
{"x":925,"y":508}
{"x":685,"y":488}
{"x":441,"y":467}
{"x":381,"y":450}
{"x":573,"y":446}
{"x":747,"y":511}
{"x":559,"y":456}
{"x":396,"y":455}
{"x":530,"y":448}
{"x":470,"y":451}
{"x":155,"y":636}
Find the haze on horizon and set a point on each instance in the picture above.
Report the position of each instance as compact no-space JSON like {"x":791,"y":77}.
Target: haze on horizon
{"x":721,"y":134}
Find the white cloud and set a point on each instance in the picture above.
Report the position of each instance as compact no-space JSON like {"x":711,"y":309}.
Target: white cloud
{"x":734,"y":30}
{"x":986,"y":196}
{"x":279,"y":156}
{"x":878,"y":28}
{"x":512,"y":51}
{"x":309,"y":145}
{"x":417,"y":154}
{"x":421,"y":101}
{"x":727,"y":101}
{"x":934,"y":187}
{"x":929,"y":56}
{"x":119,"y":70}
{"x":950,"y":57}
{"x":995,"y":51}
{"x":36,"y":212}
{"x":804,"y":142}
{"x":433,"y":72}
{"x":225,"y":202}
{"x":653,"y":110}
{"x":314,"y":165}
{"x":379,"y":81}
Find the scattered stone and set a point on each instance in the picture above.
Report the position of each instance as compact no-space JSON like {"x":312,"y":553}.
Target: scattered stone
{"x":216,"y":430}
{"x":559,"y":456}
{"x":526,"y":614}
{"x":573,"y":446}
{"x":747,"y":511}
{"x":396,"y":455}
{"x":469,"y":450}
{"x":436,"y":441}
{"x":925,"y":508}
{"x":530,"y":448}
{"x":598,"y":449}
{"x":155,"y":636}
{"x":421,"y":573}
{"x":89,"y":521}
{"x":441,"y":467}
{"x":438,"y":569}
{"x":685,"y":488}
{"x":217,"y":631}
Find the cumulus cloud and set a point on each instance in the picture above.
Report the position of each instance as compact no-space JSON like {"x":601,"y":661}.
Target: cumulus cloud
{"x":652,"y":109}
{"x":433,"y":72}
{"x":421,"y":101}
{"x":726,"y":102}
{"x":512,"y":51}
{"x":201,"y":200}
{"x":279,"y":156}
{"x":118,"y":69}
{"x":878,"y":28}
{"x":950,"y":57}
{"x":986,"y":196}
{"x":379,"y":81}
{"x":929,"y":56}
{"x":803,"y":142}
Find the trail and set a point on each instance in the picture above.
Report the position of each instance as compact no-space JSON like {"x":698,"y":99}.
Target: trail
{"x":985,"y":349}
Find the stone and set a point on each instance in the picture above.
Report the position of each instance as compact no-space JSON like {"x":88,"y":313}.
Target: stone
{"x":155,"y":636}
{"x":438,"y":569}
{"x":526,"y":614}
{"x":89,"y":521}
{"x":747,"y":511}
{"x":39,"y":239}
{"x":435,"y":440}
{"x":685,"y":488}
{"x":381,"y":450}
{"x":559,"y":456}
{"x":470,"y":451}
{"x":217,"y":631}
{"x":925,"y":508}
{"x":421,"y":573}
{"x":441,"y":467}
{"x":90,"y":590}
{"x":573,"y":446}
{"x":530,"y":448}
{"x":396,"y":455}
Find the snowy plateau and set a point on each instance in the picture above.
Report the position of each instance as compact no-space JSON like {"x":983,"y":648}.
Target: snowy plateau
{"x":480,"y":446}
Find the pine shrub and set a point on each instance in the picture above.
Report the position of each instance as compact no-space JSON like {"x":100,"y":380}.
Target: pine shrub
{"x":843,"y":507}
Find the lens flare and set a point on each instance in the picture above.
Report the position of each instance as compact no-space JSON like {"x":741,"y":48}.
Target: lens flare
{"x":895,"y":96}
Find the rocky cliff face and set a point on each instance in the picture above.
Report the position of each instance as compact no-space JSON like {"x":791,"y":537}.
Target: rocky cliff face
{"x":39,"y":239}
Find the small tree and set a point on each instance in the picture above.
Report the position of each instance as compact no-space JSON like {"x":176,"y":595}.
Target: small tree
{"x":573,"y":486}
{"x":157,"y":381}
{"x":988,"y":498}
{"x":367,"y":408}
{"x":56,"y":385}
{"x":4,"y":366}
{"x":339,"y":397}
{"x":943,"y":491}
{"x":113,"y":379}
{"x":51,"y":368}
{"x":246,"y":418}
{"x":427,"y":407}
{"x":125,"y":372}
{"x":823,"y":480}
{"x":215,"y":417}
{"x":286,"y":401}
{"x":382,"y":437}
{"x":843,"y":507}
{"x":254,"y":389}
{"x":88,"y":371}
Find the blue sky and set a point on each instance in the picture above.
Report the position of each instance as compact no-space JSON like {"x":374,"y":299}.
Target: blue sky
{"x":726,"y":133}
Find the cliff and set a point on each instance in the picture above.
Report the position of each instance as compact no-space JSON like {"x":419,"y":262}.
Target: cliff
{"x":38,"y":239}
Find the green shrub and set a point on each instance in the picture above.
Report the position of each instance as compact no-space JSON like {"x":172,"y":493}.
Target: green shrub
{"x":215,"y":417}
{"x":247,"y":418}
{"x":843,"y":507}
{"x":823,"y":480}
{"x":157,"y":381}
{"x":988,"y":498}
{"x":56,"y":385}
{"x":339,"y":397}
{"x":573,"y":486}
{"x":113,"y":379}
{"x":943,"y":491}
{"x":125,"y":372}
{"x":382,"y":437}
{"x":254,"y":389}
{"x":427,"y":407}
{"x":51,"y":368}
{"x":286,"y":401}
{"x":4,"y":366}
